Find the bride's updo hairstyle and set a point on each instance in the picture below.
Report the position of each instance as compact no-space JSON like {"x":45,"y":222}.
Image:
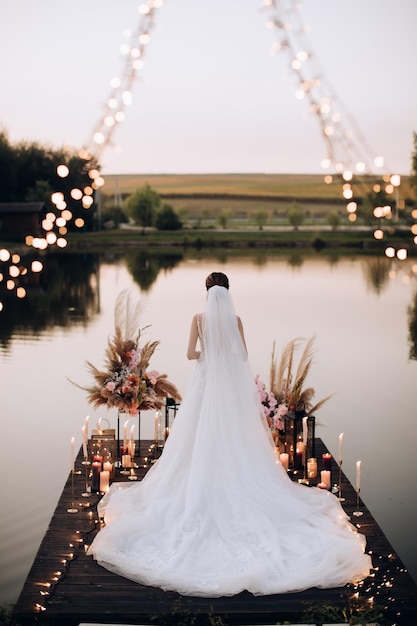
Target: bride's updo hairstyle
{"x":217,"y":278}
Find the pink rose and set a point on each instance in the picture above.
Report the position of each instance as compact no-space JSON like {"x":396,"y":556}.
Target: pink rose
{"x":111,"y":386}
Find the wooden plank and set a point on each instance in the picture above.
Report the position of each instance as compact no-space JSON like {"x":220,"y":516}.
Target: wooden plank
{"x":79,"y":590}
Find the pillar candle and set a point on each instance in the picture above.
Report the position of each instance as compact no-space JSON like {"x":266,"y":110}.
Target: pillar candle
{"x":126,"y":462}
{"x":284,"y":458}
{"x":325,"y":478}
{"x":156,"y":425}
{"x":95,"y":479}
{"x":125,"y":434}
{"x":340,"y":447}
{"x":311,"y":468}
{"x":83,"y":431}
{"x":305,"y":431}
{"x":99,"y":426}
{"x":358,"y":475}
{"x":107,"y":466}
{"x":104,"y":480}
{"x":86,"y":427}
{"x":132,"y":442}
{"x":327,"y":461}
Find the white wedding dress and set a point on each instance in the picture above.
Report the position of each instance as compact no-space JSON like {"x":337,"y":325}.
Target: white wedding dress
{"x":217,"y":514}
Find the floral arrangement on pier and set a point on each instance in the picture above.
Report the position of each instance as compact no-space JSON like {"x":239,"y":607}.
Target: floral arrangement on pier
{"x":126,"y":383}
{"x":287,"y":386}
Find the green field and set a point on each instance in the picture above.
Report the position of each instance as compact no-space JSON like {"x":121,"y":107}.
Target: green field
{"x":203,"y":197}
{"x":294,"y":186}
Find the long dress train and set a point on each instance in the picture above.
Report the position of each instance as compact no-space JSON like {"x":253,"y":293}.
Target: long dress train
{"x":217,"y":514}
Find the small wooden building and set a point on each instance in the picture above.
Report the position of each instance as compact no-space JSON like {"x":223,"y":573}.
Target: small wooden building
{"x":19,"y":219}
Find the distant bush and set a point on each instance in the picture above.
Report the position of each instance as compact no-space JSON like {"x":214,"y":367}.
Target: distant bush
{"x":167,"y":219}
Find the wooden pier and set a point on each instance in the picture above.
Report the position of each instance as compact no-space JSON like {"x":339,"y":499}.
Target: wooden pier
{"x":66,"y":587}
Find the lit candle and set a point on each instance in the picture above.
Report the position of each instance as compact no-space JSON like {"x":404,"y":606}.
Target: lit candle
{"x":126,"y":461}
{"x":340,"y":448}
{"x":83,"y":431}
{"x":125,"y":434}
{"x":327,"y":461}
{"x":305,"y":430}
{"x":72,"y":453}
{"x":284,"y":458}
{"x":311,"y":468}
{"x":325,"y":478}
{"x":104,"y":481}
{"x":358,"y":475}
{"x":132,"y":442}
{"x":108,"y":467}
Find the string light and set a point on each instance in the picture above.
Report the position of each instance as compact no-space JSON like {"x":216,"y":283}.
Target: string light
{"x":347,"y":151}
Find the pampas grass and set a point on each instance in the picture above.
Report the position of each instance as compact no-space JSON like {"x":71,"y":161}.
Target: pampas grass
{"x":286,"y":384}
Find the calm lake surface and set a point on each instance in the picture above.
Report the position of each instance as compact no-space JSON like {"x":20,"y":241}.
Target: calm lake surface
{"x":361,"y":310}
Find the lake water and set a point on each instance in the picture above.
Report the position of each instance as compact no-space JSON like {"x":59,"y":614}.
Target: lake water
{"x":359,"y":309}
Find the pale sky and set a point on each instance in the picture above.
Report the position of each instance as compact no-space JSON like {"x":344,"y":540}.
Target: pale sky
{"x":211,"y":97}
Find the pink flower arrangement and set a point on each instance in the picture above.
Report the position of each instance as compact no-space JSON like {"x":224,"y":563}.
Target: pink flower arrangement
{"x":127,"y":384}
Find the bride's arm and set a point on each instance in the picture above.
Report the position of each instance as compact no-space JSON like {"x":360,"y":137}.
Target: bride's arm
{"x":192,"y":353}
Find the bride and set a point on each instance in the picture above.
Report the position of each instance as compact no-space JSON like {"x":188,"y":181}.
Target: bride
{"x":217,"y":514}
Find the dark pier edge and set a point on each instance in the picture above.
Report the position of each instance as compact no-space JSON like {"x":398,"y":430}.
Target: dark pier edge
{"x":66,"y":587}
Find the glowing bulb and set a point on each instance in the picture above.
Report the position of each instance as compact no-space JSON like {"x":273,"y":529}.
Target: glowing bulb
{"x":51,"y":238}
{"x":98,"y":138}
{"x":112,"y":103}
{"x":14,"y":271}
{"x":4,"y":255}
{"x":328,"y":179}
{"x":79,"y":222}
{"x":144,"y":39}
{"x":379,"y":161}
{"x":325,"y":163}
{"x":57,"y":196}
{"x":379,"y":234}
{"x":87,"y":201}
{"x":360,"y":166}
{"x":395,"y":180}
{"x":119,"y":116}
{"x":109,"y":120}
{"x":347,"y":194}
{"x":137,"y":64}
{"x":67,"y":215}
{"x":93,"y":174}
{"x":47,"y":224}
{"x":115,"y":82}
{"x":76,"y":194}
{"x":61,"y":242}
{"x":127,"y":97}
{"x":390,"y":252}
{"x":402,"y":254}
{"x":347,"y":175}
{"x":62,"y":171}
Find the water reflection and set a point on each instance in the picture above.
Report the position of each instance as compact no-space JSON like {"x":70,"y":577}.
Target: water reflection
{"x":412,"y":328}
{"x":65,"y":293}
{"x":357,"y":310}
{"x":145,"y":267}
{"x":376,"y":271}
